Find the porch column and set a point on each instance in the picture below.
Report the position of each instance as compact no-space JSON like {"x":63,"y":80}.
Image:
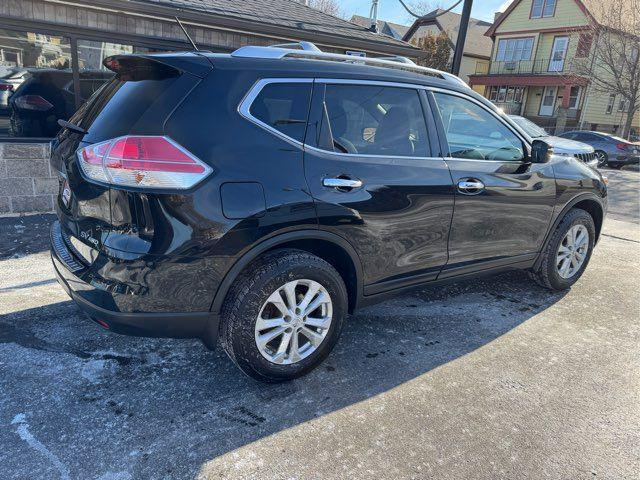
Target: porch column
{"x":565,"y":96}
{"x":561,"y":118}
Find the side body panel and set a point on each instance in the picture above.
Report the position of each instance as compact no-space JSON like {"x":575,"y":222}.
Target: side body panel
{"x":507,"y":220}
{"x":397,"y":222}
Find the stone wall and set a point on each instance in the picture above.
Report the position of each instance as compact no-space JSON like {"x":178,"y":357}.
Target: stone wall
{"x":26,"y":181}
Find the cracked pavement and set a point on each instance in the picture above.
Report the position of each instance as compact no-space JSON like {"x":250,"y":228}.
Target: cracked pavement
{"x":495,"y":378}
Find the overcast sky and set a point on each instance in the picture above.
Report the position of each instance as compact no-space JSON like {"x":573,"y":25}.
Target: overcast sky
{"x":392,"y":11}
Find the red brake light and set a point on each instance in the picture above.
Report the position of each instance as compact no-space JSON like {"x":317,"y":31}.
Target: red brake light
{"x":33,"y":102}
{"x":5,"y":87}
{"x":622,"y":146}
{"x":142,"y":161}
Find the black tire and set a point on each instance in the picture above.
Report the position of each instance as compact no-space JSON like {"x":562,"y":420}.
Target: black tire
{"x":249,"y":293}
{"x":547,"y":275}
{"x":603,"y":158}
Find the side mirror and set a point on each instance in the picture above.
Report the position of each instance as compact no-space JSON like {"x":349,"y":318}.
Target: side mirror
{"x":541,"y":151}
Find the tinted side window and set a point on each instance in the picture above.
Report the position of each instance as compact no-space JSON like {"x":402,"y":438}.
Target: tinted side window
{"x":585,"y":137}
{"x":376,"y":120}
{"x":284,"y":106}
{"x":474,"y":133}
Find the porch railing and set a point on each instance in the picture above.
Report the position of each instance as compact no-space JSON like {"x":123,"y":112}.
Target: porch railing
{"x":539,"y":66}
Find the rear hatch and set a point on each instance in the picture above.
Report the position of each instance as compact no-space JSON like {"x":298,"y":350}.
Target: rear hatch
{"x":136,"y":101}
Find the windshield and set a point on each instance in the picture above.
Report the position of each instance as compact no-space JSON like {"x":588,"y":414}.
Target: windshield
{"x":533,"y":130}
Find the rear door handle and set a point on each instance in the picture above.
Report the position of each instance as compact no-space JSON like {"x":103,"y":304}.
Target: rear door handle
{"x":344,"y":184}
{"x":470,"y":186}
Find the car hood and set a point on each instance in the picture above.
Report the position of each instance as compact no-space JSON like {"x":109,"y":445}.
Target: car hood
{"x":564,"y":145}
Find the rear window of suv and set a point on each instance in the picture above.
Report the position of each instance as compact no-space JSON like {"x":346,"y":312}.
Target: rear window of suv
{"x":119,"y":104}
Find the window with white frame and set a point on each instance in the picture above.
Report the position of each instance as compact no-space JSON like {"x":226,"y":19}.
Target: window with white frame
{"x":611,"y":103}
{"x":514,"y":49}
{"x":543,"y":8}
{"x":574,"y":97}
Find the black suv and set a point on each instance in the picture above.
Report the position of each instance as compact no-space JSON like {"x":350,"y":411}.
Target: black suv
{"x":263,"y":195}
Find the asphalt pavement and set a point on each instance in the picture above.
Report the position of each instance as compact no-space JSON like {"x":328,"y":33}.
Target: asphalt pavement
{"x":495,"y":378}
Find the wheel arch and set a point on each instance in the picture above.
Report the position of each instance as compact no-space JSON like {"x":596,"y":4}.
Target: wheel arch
{"x":328,"y":246}
{"x":587,"y":202}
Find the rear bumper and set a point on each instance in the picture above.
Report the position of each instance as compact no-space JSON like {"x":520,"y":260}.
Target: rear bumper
{"x":94,"y":298}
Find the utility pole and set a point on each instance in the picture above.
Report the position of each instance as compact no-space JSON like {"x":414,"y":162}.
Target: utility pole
{"x":462,"y":36}
{"x":373,"y":16}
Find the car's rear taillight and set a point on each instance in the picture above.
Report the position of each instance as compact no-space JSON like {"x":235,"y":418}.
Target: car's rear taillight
{"x":33,"y":102}
{"x":142,"y":161}
{"x":622,"y":146}
{"x":5,"y":87}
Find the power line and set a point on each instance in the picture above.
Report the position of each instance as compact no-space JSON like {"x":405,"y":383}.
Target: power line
{"x":413,"y":14}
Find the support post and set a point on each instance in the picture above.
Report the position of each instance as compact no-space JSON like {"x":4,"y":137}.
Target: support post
{"x":462,"y":36}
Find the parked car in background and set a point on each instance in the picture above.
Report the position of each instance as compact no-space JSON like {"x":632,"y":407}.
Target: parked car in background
{"x":561,"y":146}
{"x":10,"y":80}
{"x":262,"y":195}
{"x":610,"y":150}
{"x":46,"y":96}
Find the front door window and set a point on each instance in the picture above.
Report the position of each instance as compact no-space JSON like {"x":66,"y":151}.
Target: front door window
{"x":548,"y":101}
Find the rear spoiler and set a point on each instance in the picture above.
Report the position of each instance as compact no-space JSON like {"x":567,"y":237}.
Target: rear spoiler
{"x":163,"y":64}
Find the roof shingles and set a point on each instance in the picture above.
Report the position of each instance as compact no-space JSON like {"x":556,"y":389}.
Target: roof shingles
{"x":282,"y":13}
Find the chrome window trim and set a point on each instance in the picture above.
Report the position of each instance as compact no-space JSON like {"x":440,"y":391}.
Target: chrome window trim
{"x":369,"y":155}
{"x":244,"y":108}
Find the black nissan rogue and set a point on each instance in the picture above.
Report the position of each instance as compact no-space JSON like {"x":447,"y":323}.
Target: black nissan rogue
{"x":261,"y":196}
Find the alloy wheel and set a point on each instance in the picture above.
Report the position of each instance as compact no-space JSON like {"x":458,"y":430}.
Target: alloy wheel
{"x":572,"y":251}
{"x":602,"y":158}
{"x":293,"y":322}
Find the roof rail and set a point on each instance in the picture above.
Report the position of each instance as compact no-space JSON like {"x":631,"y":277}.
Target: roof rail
{"x":308,"y":46}
{"x":307,"y":50}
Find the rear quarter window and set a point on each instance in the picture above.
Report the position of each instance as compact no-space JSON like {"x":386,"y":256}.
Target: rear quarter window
{"x":283,"y":107}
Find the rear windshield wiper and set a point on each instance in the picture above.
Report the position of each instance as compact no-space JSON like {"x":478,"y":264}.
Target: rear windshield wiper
{"x":71,"y":126}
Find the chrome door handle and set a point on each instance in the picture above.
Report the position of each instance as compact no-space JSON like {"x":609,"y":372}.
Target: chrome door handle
{"x":470,"y":186}
{"x":341,"y":183}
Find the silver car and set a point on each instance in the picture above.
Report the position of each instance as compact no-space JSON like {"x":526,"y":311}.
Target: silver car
{"x":10,"y":80}
{"x":611,"y":151}
{"x":561,"y":146}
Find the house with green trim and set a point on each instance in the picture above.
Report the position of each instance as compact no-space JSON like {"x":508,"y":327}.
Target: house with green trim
{"x":532,"y":72}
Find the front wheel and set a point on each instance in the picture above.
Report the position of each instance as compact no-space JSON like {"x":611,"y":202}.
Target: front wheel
{"x":284,"y":315}
{"x":568,"y":251}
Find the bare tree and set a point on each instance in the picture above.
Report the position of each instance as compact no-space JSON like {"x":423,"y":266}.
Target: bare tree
{"x":422,"y":7}
{"x":613,"y":68}
{"x":332,"y":7}
{"x":438,"y":48}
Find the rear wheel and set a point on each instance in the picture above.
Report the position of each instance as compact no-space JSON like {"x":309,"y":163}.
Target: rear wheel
{"x":568,"y":251}
{"x":284,"y":315}
{"x":602,"y":158}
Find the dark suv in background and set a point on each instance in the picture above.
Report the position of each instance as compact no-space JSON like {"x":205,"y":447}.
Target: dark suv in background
{"x":45,"y":96}
{"x":261,"y":196}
